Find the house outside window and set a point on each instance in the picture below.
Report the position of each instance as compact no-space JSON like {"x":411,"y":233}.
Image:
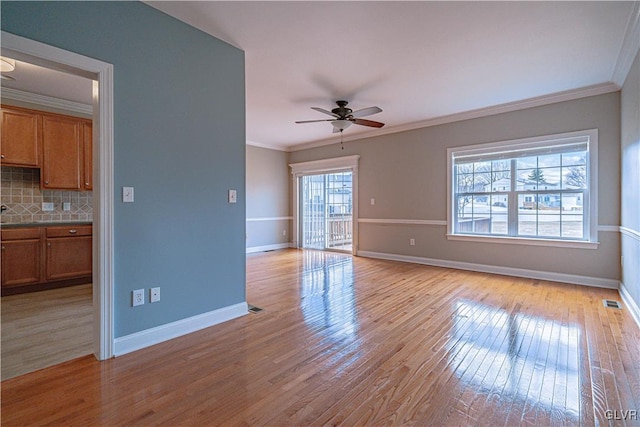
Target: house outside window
{"x":538,"y":191}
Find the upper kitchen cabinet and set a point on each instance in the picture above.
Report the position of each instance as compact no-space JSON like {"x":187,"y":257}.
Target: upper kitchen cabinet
{"x":20,"y":138}
{"x":62,"y":148}
{"x":87,"y":130}
{"x":60,"y":145}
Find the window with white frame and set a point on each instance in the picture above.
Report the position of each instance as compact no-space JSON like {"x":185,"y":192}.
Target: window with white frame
{"x":538,"y":189}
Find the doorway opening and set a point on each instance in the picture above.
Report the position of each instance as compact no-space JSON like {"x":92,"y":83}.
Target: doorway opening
{"x":47,"y":303}
{"x":325,"y":204}
{"x":101,"y":73}
{"x":327,"y":211}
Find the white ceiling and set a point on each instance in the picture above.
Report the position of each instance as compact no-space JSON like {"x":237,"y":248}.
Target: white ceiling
{"x":416,"y":60}
{"x":43,"y":81}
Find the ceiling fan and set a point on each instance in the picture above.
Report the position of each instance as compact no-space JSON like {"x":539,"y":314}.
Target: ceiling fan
{"x":343,"y":117}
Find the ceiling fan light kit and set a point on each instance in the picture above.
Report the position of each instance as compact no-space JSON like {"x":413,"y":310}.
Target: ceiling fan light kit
{"x":7,"y":65}
{"x":344,"y":117}
{"x":340,"y":125}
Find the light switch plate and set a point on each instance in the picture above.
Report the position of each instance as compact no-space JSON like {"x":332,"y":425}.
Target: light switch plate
{"x":127,"y":194}
{"x":233,"y":198}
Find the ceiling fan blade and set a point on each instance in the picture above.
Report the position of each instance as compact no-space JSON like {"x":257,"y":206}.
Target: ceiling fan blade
{"x":370,"y":123}
{"x":322,"y":110}
{"x":366,"y":112}
{"x":314,"y":121}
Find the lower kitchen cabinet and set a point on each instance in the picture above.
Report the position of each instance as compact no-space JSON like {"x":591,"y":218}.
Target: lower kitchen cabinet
{"x":45,"y":257}
{"x":21,"y":257}
{"x":68,"y":252}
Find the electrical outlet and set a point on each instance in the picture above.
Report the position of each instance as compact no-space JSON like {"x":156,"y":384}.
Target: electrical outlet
{"x":137,"y":297}
{"x":154,"y":294}
{"x":284,"y":232}
{"x":47,"y":206}
{"x":412,"y":242}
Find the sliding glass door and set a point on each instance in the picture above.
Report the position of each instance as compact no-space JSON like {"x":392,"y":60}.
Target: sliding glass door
{"x":327,"y":211}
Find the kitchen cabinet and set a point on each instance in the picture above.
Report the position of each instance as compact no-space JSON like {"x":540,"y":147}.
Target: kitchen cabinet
{"x":45,"y":256}
{"x":20,"y":138}
{"x":87,"y":152}
{"x":60,"y":146}
{"x":62,"y":149}
{"x":68,"y":252}
{"x":21,"y":256}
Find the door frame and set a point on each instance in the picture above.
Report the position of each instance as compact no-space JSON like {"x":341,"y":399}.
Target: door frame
{"x":315,"y":167}
{"x":101,"y":73}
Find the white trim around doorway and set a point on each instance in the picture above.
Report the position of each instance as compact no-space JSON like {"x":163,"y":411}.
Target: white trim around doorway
{"x":101,"y":73}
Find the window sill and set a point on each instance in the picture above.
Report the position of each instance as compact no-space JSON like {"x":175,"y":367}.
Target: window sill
{"x":524,"y":241}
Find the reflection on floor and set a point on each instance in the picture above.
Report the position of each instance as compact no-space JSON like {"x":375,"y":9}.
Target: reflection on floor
{"x":41,"y":329}
{"x":353,"y":341}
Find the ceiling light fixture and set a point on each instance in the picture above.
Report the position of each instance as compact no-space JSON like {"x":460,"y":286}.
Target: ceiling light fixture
{"x":341,"y":125}
{"x":7,"y":64}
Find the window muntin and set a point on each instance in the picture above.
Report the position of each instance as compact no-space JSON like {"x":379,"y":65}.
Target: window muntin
{"x":534,"y":189}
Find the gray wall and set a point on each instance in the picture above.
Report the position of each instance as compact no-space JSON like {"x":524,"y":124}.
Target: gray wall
{"x":268,"y":181}
{"x":407,"y":175}
{"x":630,"y":215}
{"x":179,"y":140}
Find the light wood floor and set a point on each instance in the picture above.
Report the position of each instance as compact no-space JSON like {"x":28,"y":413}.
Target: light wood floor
{"x":357,"y":341}
{"x":42,"y":329}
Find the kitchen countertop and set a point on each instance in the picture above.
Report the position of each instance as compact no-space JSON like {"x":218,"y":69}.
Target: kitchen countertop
{"x":45,"y":224}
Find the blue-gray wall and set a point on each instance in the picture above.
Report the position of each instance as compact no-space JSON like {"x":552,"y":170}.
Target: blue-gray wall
{"x":179,"y":106}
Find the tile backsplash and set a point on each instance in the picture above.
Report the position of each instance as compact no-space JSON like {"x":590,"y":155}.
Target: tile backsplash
{"x":23,"y":197}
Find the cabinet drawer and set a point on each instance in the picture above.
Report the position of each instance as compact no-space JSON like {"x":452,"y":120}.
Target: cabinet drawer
{"x":21,"y":233}
{"x":69,"y":231}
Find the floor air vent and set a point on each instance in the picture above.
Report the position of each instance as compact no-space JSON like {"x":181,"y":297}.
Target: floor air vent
{"x":611,"y":303}
{"x":254,"y":309}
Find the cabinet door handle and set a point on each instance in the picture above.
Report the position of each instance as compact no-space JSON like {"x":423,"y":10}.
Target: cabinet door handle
{"x":73,"y":231}
{"x":3,"y":248}
{"x":1,"y":156}
{"x":46,"y":182}
{"x":48,"y":244}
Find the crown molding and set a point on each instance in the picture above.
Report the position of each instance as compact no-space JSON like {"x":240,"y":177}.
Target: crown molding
{"x":46,"y":101}
{"x":267,"y":146}
{"x":568,"y":95}
{"x":630,"y":46}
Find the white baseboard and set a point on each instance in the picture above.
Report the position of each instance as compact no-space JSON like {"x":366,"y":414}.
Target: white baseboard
{"x":506,"y":271}
{"x":149,"y":337}
{"x":630,"y":304}
{"x":255,"y":249}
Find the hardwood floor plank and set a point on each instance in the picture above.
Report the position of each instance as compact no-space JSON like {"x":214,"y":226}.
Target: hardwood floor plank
{"x":45,"y":328}
{"x":356,"y":341}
